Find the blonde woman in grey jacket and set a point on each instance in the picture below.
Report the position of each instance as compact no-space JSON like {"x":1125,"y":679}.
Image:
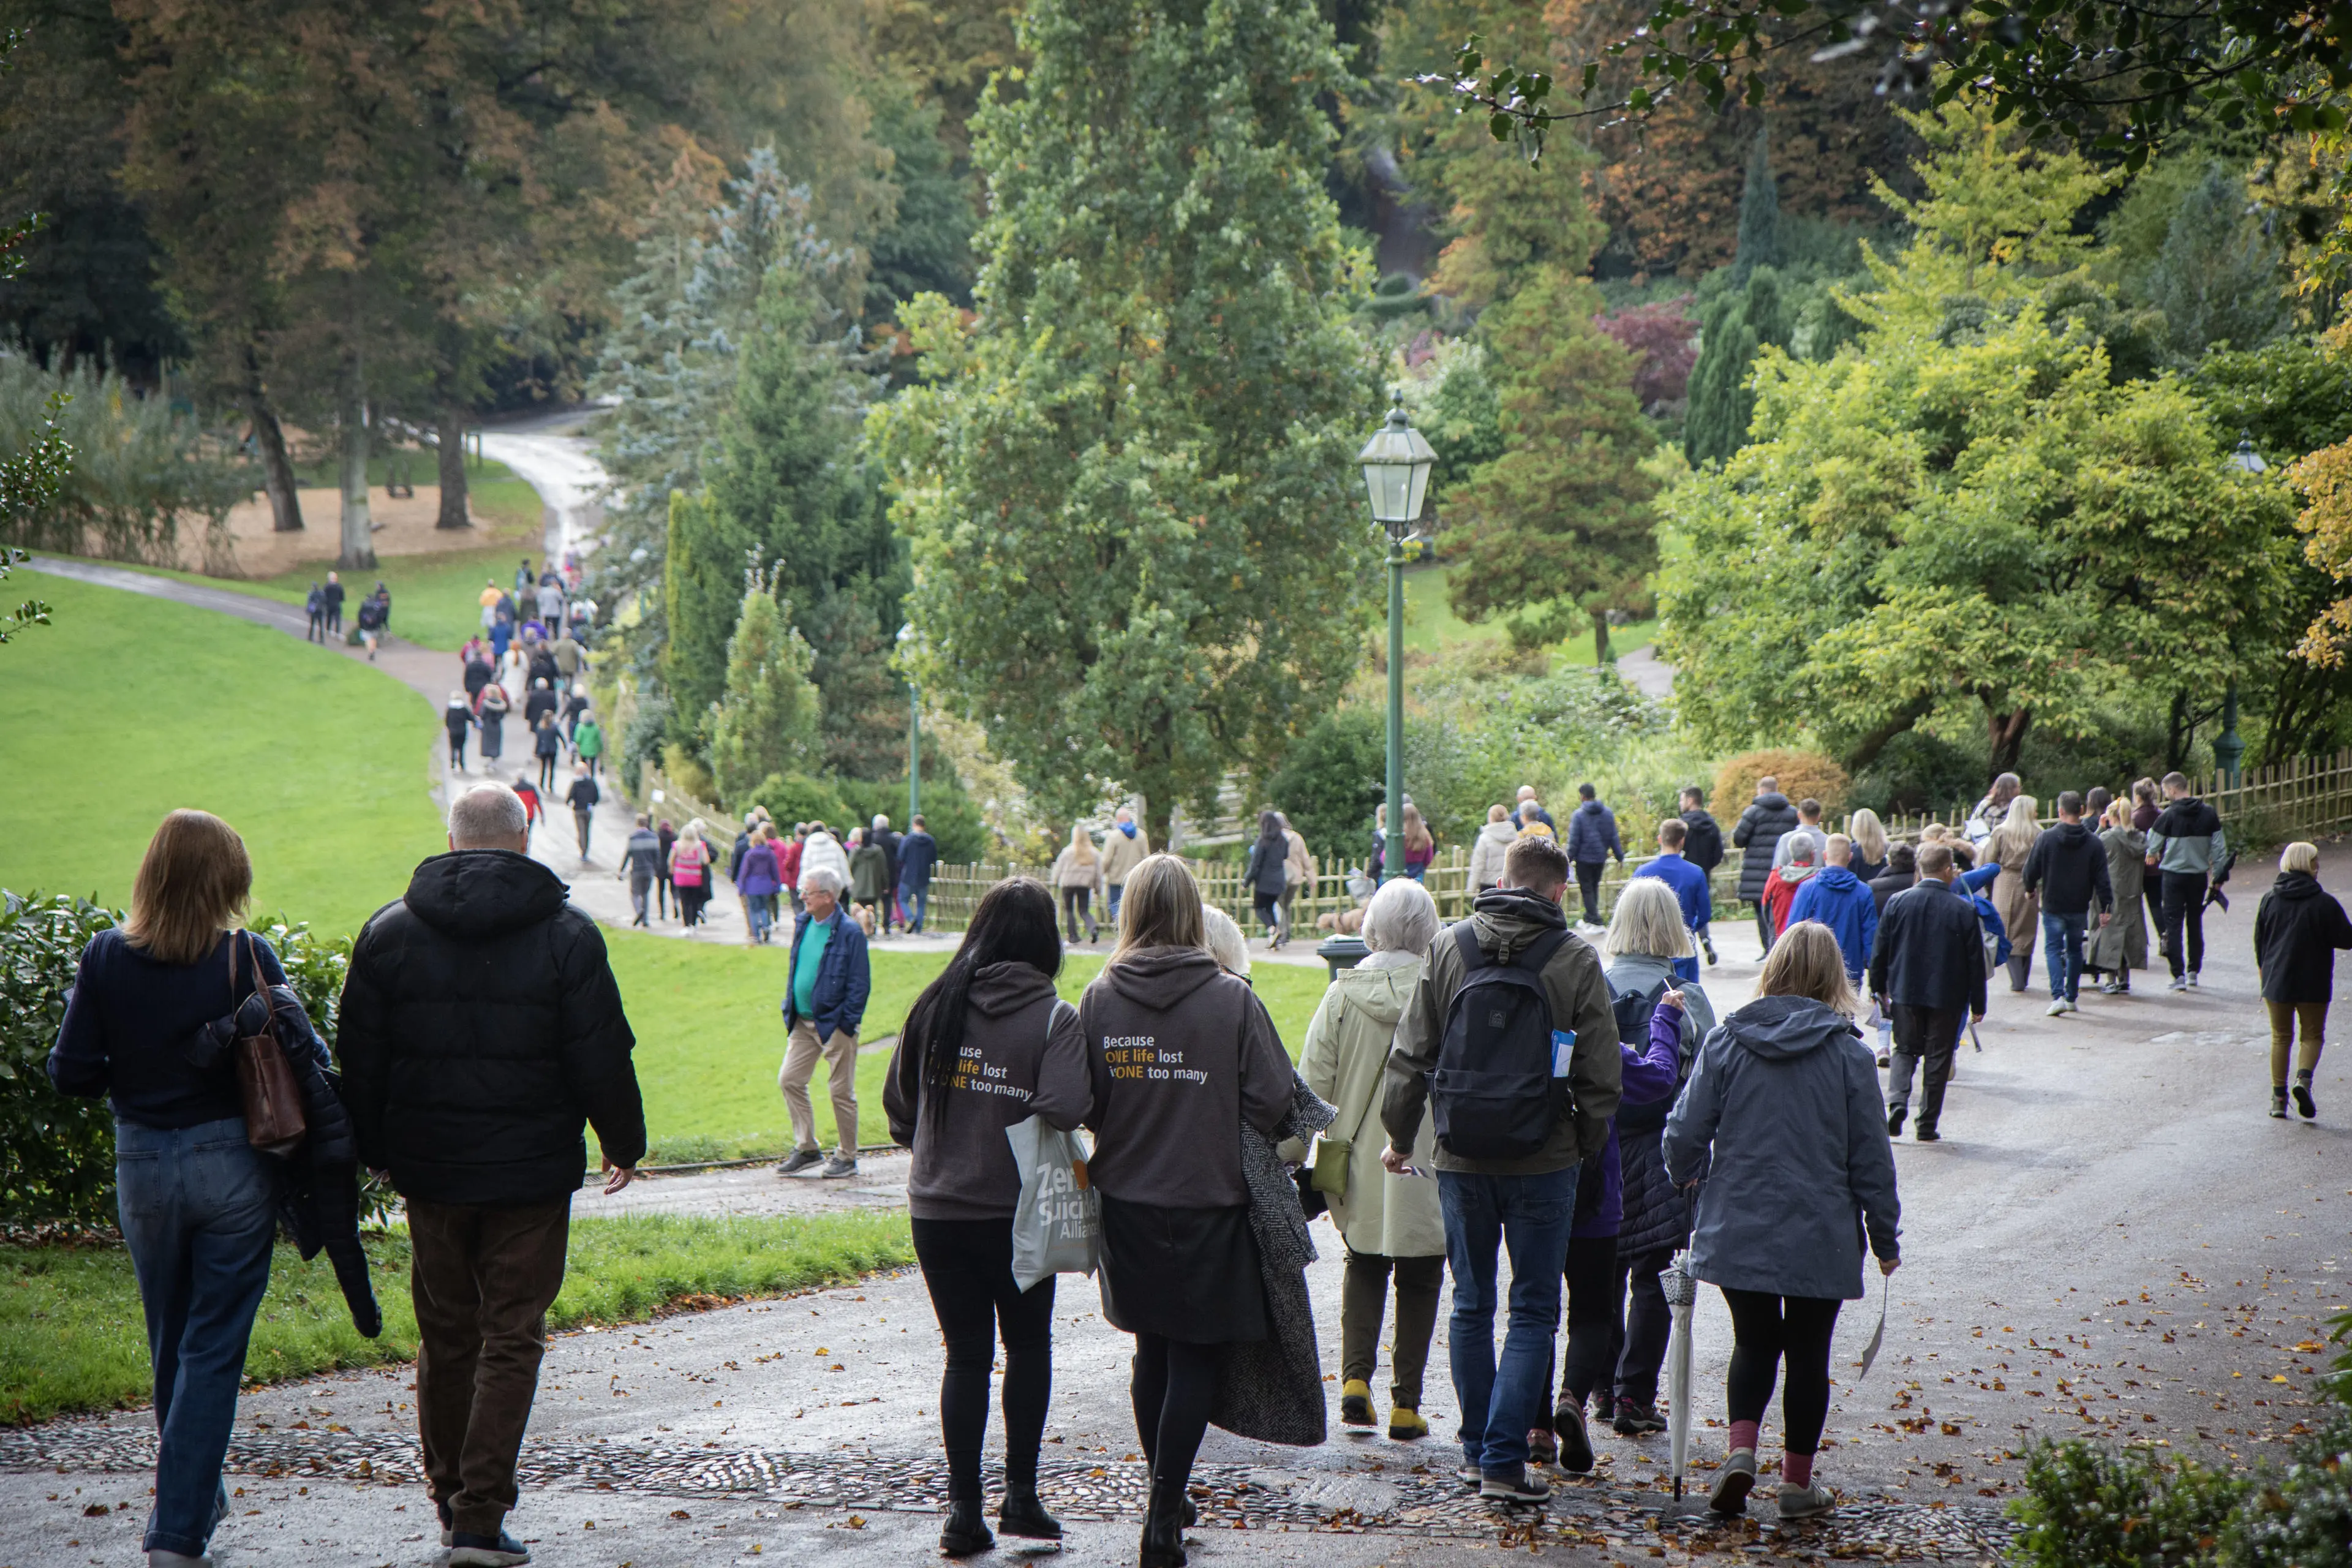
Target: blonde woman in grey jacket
{"x":1391,"y":1224}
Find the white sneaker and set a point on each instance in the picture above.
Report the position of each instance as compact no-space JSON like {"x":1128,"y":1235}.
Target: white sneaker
{"x":2057,"y":1008}
{"x":2177,"y":984}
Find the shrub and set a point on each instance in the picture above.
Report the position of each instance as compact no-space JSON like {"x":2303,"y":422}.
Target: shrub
{"x":1801,"y":774}
{"x":2302,"y":1517}
{"x":56,"y":1151}
{"x":2087,"y":1507}
{"x":797,"y":797}
{"x":949,"y":813}
{"x":139,"y":469}
{"x":1332,"y":778}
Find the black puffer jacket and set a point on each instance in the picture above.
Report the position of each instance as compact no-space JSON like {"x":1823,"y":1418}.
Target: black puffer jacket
{"x":1758,"y":832}
{"x":1702,"y":840}
{"x":481,"y":1028}
{"x":2297,"y":930}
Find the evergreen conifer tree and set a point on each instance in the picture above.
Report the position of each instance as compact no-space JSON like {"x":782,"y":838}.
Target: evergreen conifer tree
{"x":1736,"y":327}
{"x":1141,"y":559}
{"x":2218,"y":277}
{"x":768,"y":722}
{"x":1760,"y":214}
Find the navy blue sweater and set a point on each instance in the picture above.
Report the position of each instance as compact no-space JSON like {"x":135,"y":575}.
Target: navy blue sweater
{"x":128,"y":1018}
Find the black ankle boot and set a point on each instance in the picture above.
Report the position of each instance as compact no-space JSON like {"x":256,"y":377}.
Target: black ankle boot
{"x":966,"y":1530}
{"x":1025,"y":1516}
{"x":1163,"y":1530}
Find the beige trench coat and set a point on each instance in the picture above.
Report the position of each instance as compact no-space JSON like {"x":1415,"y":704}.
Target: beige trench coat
{"x":1344,"y":1058}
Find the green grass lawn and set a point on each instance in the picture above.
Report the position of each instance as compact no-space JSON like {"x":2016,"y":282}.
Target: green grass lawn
{"x":1432,"y":625}
{"x":710,"y":1038}
{"x":128,"y":707}
{"x":72,"y":1338}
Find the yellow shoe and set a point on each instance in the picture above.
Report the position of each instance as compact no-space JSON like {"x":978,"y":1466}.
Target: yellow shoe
{"x":1355,"y":1403}
{"x":1405,"y":1423}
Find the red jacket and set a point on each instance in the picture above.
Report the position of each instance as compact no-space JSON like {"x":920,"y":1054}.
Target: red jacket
{"x":1779,"y":893}
{"x":788,"y":862}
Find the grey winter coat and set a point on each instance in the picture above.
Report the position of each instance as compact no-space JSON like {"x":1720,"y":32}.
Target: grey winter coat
{"x":1783,"y":1120}
{"x":1272,"y":1389}
{"x":2122,"y":942}
{"x":1759,"y":833}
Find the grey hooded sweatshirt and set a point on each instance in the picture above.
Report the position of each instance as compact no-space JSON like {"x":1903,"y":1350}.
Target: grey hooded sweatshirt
{"x":1180,"y":1053}
{"x":1783,"y":1120}
{"x":1021,"y":1056}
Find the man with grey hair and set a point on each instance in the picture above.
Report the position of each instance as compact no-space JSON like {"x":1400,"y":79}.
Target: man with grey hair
{"x":482,"y":1032}
{"x":827,"y":983}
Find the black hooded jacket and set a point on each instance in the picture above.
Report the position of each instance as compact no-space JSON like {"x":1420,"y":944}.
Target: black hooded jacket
{"x":2297,"y":930}
{"x":1758,"y":832}
{"x":481,"y":1028}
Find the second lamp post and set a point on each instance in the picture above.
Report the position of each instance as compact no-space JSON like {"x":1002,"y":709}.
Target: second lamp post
{"x":1396,"y":463}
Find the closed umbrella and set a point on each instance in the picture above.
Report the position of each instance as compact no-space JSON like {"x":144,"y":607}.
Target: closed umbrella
{"x":1682,"y":1299}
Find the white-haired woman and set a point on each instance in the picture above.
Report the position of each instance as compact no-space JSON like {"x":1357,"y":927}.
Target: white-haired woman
{"x":1225,"y":941}
{"x":2020,"y":910}
{"x":1391,"y":1224}
{"x":2297,"y":930}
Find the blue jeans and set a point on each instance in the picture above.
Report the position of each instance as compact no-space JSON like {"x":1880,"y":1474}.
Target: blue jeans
{"x":917,"y":902}
{"x":1531,"y":1216}
{"x":761,"y":909}
{"x":199,"y":1212}
{"x":2062,"y":949}
{"x":1116,"y":889}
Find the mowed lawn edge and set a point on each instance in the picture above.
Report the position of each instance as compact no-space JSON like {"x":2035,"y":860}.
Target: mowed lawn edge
{"x":72,"y":1339}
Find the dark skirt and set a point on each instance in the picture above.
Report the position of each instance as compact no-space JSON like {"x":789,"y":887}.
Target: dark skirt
{"x":1190,"y":1275}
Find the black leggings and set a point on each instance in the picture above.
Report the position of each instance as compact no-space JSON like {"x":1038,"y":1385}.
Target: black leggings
{"x":547,"y":775}
{"x":1767,"y":1330}
{"x":1592,"y":1276}
{"x":1075,"y":911}
{"x":1268,"y":907}
{"x":968,"y":1265}
{"x":1175,"y":1383}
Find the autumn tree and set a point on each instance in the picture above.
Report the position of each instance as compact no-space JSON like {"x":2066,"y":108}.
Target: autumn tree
{"x":1140,"y":558}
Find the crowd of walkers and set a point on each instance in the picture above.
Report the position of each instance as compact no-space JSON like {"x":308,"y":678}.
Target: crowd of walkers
{"x":1500,"y":1085}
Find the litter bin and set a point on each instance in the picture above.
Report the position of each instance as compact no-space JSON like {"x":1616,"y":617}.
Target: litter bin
{"x":1340,"y":953}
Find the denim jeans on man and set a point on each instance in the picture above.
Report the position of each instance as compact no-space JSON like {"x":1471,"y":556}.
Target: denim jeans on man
{"x":1530,"y":1216}
{"x":199,"y":1211}
{"x":917,"y":902}
{"x":2062,"y":948}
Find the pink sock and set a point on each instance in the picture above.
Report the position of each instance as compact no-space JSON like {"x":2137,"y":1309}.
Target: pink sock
{"x":1743,"y":1435}
{"x":1797,"y":1470}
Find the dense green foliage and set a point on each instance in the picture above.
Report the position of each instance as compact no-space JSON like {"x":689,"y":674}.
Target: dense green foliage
{"x":768,"y":720}
{"x":56,"y":1153}
{"x":1139,"y":547}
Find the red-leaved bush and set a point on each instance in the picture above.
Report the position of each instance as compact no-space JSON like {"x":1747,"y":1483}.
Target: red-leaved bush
{"x":1667,"y":342}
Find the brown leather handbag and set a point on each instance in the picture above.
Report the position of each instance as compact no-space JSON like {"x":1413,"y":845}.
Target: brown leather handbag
{"x":273,"y":1100}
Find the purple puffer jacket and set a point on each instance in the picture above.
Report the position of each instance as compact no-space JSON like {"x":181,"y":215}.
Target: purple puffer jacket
{"x":1648,"y":1076}
{"x":760,"y":875}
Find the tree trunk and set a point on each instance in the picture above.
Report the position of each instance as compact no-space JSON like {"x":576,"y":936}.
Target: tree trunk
{"x":1600,"y":637}
{"x":2178,"y":730}
{"x":1865,"y":750}
{"x":269,"y":437}
{"x":451,"y":445}
{"x":359,"y":536}
{"x":2008,"y":734}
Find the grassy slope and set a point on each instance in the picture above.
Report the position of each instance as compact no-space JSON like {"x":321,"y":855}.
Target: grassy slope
{"x":1431,"y":623}
{"x":72,"y":1338}
{"x":710,"y":1037}
{"x":128,"y":707}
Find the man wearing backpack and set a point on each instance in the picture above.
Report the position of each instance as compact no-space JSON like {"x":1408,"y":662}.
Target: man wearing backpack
{"x":1510,"y":1042}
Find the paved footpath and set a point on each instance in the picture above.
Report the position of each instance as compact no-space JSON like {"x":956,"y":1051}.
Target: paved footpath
{"x":2113,"y":1240}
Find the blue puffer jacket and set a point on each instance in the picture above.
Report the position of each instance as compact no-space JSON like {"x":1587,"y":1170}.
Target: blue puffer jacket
{"x":1592,"y":834}
{"x":844,"y":977}
{"x":1783,"y":1119}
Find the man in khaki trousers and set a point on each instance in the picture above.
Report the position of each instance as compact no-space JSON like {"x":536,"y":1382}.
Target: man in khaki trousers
{"x":824,"y":1002}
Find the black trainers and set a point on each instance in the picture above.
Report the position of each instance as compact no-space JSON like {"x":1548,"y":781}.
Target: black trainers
{"x":2302,"y":1100}
{"x":838,"y":1167}
{"x":799,"y":1160}
{"x":1637,"y":1420}
{"x":1023,"y":1515}
{"x":1895,"y":1120}
{"x":1927,"y":1135}
{"x":1514,"y":1486}
{"x":1706,"y":945}
{"x":1575,"y":1443}
{"x":2278,"y":1105}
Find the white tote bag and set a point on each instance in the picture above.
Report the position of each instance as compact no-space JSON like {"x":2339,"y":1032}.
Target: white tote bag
{"x":1057,"y":1229}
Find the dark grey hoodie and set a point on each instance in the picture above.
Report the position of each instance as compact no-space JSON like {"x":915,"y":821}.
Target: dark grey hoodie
{"x":1022,"y":1056}
{"x":1782,"y":1116}
{"x":1180,"y":1053}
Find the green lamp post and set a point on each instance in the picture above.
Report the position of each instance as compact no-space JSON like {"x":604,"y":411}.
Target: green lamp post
{"x":2229,"y":748}
{"x":1396,"y":463}
{"x":914,"y":731}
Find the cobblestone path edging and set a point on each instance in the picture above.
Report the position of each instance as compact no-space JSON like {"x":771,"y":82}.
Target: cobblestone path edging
{"x":1421,"y":1501}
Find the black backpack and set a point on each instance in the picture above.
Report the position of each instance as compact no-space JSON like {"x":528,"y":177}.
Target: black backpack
{"x":1493,"y":1092}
